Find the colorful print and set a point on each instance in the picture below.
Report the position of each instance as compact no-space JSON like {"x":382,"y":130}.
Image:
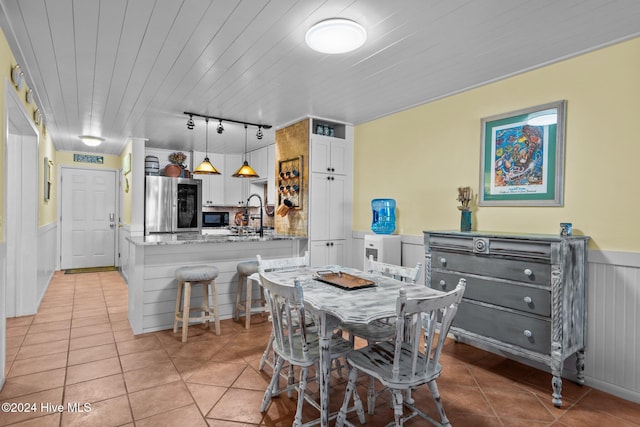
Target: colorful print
{"x":518,"y":156}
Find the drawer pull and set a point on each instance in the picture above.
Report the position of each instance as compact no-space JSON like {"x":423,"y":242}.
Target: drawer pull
{"x":528,"y":300}
{"x":443,"y":284}
{"x":528,"y":272}
{"x":527,"y":333}
{"x":443,"y":261}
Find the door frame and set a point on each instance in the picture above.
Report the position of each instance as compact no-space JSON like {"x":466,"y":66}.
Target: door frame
{"x":15,"y":111}
{"x":116,"y":183}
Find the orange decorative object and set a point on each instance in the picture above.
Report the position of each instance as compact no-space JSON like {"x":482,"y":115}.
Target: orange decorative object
{"x":172,"y":170}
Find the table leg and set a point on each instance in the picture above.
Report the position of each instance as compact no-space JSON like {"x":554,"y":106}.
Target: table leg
{"x":326,"y":325}
{"x":325,"y":369}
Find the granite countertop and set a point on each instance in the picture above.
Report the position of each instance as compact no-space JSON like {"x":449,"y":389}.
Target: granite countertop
{"x":196,"y":238}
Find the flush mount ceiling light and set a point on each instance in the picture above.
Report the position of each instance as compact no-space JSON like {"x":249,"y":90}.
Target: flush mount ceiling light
{"x":91,"y":141}
{"x":206,"y":168}
{"x":336,"y":35}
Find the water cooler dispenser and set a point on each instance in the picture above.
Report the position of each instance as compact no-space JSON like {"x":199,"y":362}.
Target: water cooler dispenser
{"x":383,"y":247}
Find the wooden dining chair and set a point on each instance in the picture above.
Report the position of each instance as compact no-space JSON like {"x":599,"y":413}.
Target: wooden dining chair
{"x":381,"y":330}
{"x":298,"y":346}
{"x":276,"y":264}
{"x":412,"y":359}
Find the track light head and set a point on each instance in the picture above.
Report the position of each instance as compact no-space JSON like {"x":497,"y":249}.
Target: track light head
{"x":220,"y":128}
{"x":190,"y":123}
{"x":259,"y":134}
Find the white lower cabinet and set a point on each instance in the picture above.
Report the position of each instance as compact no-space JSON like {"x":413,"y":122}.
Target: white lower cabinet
{"x":326,"y":252}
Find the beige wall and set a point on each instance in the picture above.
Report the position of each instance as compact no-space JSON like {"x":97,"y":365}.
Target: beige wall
{"x":420,"y":156}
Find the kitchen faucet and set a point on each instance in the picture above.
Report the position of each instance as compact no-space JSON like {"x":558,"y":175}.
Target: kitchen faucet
{"x":246,"y":212}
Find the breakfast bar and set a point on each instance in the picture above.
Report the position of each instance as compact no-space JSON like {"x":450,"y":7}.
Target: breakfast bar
{"x":153,"y":259}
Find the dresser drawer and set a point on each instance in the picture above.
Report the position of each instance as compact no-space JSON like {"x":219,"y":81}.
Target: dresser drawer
{"x":513,"y":328}
{"x":511,"y":295}
{"x":511,"y":269}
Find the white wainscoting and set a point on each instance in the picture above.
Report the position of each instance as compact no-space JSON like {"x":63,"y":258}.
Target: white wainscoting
{"x":612,"y":359}
{"x":47,"y":257}
{"x":3,"y":320}
{"x":612,"y":356}
{"x":123,"y":249}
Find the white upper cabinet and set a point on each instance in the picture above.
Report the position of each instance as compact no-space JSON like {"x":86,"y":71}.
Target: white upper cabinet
{"x":235,"y":189}
{"x":212,"y":185}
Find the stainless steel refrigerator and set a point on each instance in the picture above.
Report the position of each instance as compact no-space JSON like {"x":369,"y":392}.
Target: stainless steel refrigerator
{"x":172,"y":205}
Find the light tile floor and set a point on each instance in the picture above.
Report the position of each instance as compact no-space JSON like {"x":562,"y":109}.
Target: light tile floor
{"x":79,"y":349}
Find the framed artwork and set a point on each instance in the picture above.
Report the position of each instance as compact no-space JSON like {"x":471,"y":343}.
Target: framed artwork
{"x":522,"y":158}
{"x":126,"y":164}
{"x":47,"y":178}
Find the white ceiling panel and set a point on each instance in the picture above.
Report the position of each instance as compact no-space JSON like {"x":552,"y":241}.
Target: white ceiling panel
{"x":121,"y":68}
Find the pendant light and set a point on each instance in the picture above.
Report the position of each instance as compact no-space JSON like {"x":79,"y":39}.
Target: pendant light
{"x":206,"y":167}
{"x":245,"y":170}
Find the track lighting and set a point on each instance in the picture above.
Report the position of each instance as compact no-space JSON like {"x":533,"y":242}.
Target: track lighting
{"x":190,"y":123}
{"x":220,"y":127}
{"x":259,"y":133}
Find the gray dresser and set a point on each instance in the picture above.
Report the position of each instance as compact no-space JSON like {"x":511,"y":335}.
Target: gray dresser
{"x":525,"y":293}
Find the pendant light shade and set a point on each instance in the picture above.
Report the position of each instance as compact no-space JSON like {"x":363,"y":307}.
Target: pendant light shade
{"x":245,"y":171}
{"x":206,"y":167}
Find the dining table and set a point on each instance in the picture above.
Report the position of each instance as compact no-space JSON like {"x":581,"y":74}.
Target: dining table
{"x":331,"y":305}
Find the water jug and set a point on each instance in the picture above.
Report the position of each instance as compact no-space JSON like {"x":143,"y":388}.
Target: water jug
{"x":384,"y":216}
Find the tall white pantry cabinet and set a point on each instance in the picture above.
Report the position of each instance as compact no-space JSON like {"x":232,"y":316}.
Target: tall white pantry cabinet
{"x":330,"y":192}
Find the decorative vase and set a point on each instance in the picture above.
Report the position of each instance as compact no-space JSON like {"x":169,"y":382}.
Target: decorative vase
{"x":465,"y":220}
{"x":173,"y":170}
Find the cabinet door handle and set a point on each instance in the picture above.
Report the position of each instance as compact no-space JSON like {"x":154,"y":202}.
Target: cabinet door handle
{"x":528,"y":300}
{"x":528,"y":272}
{"x":328,"y":169}
{"x":443,"y":261}
{"x":443,"y":284}
{"x":527,"y":333}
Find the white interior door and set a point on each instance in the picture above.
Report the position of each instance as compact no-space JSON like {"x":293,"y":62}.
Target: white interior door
{"x":88,"y":218}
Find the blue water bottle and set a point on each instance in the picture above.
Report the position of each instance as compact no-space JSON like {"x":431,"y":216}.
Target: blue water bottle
{"x":384,"y":216}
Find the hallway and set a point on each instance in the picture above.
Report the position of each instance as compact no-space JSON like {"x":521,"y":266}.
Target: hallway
{"x":79,"y":349}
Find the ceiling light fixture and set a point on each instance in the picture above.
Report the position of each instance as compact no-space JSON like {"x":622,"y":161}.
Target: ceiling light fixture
{"x":220,"y":127}
{"x":91,"y":141}
{"x":336,"y":35}
{"x":245,"y":171}
{"x":206,"y":168}
{"x":259,"y":134}
{"x":190,"y":123}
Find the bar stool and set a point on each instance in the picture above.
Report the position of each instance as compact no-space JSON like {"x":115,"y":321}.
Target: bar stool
{"x":204,"y":275}
{"x":245,"y":270}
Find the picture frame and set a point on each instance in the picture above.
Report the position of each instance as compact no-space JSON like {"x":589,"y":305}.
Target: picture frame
{"x":47,"y":178}
{"x":126,"y":164}
{"x":522,"y":157}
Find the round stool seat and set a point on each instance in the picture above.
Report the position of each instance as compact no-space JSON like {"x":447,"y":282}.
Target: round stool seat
{"x":247,"y":268}
{"x":197,"y":273}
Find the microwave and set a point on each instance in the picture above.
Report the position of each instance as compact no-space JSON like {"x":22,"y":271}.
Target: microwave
{"x":215,"y":219}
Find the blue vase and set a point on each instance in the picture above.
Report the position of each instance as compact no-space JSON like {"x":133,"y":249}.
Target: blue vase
{"x":465,"y":220}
